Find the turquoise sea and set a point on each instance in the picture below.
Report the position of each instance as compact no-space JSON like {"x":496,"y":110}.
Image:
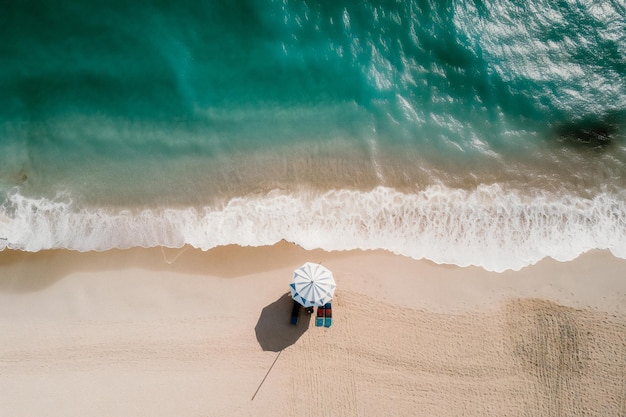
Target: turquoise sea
{"x":471,"y":132}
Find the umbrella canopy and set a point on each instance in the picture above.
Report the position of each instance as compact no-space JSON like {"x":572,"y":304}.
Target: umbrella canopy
{"x":312,"y":285}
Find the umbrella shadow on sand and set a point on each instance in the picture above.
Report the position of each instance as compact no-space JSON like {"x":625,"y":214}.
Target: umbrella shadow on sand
{"x":274,"y":330}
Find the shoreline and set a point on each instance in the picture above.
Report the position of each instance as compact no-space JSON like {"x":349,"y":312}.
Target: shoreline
{"x":592,"y":280}
{"x":166,"y":332}
{"x":487,"y":227}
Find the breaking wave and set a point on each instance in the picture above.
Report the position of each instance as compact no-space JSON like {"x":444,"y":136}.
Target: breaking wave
{"x":488,"y":227}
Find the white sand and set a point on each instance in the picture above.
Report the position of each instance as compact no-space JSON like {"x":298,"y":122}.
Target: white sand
{"x":181,"y":333}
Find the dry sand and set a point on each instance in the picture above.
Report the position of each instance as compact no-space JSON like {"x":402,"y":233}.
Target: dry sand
{"x":188,"y":333}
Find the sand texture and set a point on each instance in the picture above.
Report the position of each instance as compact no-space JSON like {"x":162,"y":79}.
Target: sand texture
{"x":187,"y":333}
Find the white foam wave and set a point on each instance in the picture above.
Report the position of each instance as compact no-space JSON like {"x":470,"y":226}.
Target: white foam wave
{"x":487,"y":227}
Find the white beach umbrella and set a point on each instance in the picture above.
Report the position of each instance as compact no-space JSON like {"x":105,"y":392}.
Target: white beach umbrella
{"x":312,"y":285}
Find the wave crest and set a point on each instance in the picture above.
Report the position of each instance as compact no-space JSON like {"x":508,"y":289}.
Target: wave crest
{"x":488,"y":226}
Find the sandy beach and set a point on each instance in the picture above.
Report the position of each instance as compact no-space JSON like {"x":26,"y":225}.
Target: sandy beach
{"x":164,"y":332}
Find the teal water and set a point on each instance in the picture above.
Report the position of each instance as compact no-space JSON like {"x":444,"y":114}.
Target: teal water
{"x":470,"y":132}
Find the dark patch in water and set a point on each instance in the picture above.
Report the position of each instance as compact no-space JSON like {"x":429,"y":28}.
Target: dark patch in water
{"x":593,"y":132}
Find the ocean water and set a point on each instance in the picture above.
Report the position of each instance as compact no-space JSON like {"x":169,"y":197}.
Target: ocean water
{"x":465,"y":132}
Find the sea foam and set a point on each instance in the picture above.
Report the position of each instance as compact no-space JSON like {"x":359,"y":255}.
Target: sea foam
{"x":487,"y":226}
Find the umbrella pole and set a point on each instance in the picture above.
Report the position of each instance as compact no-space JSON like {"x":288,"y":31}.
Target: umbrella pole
{"x":265,"y":377}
